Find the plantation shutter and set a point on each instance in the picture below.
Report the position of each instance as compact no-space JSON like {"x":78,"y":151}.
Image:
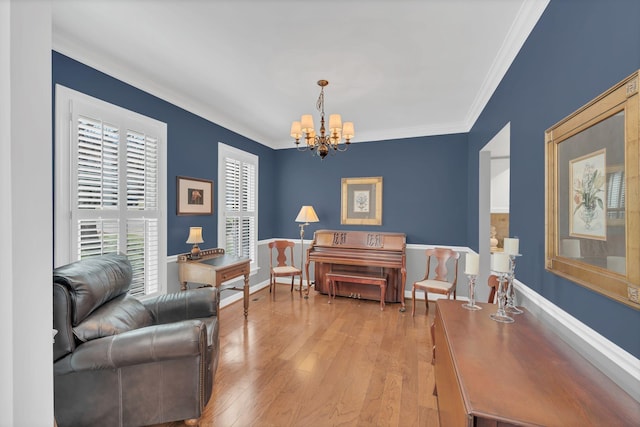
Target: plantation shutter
{"x":114,"y":176}
{"x":240,"y":202}
{"x":615,"y":195}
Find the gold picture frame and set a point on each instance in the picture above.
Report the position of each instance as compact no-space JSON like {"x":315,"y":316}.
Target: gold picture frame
{"x":194,"y":196}
{"x":592,"y":184}
{"x":361,"y":201}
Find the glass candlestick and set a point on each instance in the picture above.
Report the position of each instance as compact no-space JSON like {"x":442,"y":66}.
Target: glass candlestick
{"x":501,"y":314}
{"x":471,"y":305}
{"x":511,"y":290}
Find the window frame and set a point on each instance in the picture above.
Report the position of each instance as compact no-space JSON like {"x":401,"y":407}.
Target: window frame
{"x":227,"y":151}
{"x":65,"y":217}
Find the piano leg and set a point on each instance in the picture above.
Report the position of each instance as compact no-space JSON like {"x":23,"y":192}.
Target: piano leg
{"x":403,"y":275}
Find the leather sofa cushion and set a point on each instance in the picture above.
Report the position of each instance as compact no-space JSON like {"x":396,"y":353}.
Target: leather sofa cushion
{"x":121,"y":314}
{"x":94,"y":281}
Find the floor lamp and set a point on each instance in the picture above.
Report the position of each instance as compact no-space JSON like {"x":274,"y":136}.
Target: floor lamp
{"x":305,"y":216}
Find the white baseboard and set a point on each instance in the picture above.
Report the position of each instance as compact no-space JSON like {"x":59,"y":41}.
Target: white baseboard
{"x":616,"y":363}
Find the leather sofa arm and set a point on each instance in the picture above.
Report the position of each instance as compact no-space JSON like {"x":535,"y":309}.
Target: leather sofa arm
{"x":145,"y":345}
{"x":189,"y":304}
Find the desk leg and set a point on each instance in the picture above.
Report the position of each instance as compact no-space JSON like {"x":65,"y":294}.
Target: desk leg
{"x":246,"y":295}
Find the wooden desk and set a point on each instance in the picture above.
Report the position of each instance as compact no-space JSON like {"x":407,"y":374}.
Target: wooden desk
{"x":495,"y":374}
{"x":214,"y":268}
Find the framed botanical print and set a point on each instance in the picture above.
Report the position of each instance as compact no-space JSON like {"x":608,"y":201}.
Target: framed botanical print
{"x":588,"y":210}
{"x":592,"y":187}
{"x":361,"y":201}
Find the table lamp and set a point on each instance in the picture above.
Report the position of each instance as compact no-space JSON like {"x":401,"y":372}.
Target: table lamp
{"x":195,"y":237}
{"x":305,"y":216}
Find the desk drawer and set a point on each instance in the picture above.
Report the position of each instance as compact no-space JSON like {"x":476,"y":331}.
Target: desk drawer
{"x":233,"y":272}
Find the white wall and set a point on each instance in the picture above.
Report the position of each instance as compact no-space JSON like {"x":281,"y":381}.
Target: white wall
{"x":6,"y":263}
{"x":500,"y":172}
{"x":26,"y":385}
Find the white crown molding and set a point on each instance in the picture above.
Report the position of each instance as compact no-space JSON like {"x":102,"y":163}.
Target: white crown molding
{"x":525,"y":21}
{"x":104,"y":64}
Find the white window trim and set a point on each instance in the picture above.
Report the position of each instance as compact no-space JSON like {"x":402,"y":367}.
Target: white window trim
{"x":225,"y":150}
{"x":62,"y":182}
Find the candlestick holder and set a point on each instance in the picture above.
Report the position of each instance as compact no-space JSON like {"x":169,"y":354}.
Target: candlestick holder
{"x":511,"y":290}
{"x":501,"y":314}
{"x":471,"y":305}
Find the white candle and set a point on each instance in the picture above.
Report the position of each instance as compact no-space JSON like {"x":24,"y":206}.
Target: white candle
{"x":570,"y":248}
{"x":500,"y":262}
{"x":472,"y":261}
{"x":511,"y":246}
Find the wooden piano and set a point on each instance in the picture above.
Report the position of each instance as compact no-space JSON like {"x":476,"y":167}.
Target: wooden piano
{"x":360,"y":254}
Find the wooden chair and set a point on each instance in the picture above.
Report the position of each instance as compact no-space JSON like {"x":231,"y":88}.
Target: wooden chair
{"x":439,"y":284}
{"x":493,"y":284}
{"x":283,"y":268}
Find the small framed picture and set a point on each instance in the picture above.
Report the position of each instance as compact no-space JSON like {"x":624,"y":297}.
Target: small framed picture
{"x":361,"y":201}
{"x":194,"y":196}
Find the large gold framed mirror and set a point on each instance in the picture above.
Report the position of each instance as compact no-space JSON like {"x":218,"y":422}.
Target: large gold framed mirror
{"x":593,"y":194}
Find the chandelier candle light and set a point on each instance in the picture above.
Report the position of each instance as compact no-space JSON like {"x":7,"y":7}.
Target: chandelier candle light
{"x":322,"y":144}
{"x":305,"y":216}
{"x":472,"y":261}
{"x":500,"y":266}
{"x":511,"y":247}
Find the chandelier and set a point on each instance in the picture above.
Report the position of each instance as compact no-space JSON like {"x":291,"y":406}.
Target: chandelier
{"x":324,"y":143}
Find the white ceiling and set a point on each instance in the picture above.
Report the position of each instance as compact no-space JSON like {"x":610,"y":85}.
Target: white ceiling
{"x":396,"y":68}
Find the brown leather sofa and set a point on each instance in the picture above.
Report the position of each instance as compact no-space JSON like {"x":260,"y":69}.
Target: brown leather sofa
{"x":121,"y":361}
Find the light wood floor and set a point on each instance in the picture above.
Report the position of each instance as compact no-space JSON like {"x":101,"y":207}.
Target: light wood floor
{"x":304,"y":362}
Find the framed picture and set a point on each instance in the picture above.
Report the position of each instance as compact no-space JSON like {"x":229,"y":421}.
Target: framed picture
{"x":592,"y":164}
{"x":588,"y":210}
{"x":361,"y":201}
{"x":194,"y":196}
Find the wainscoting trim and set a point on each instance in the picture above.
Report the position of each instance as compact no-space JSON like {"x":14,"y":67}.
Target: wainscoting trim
{"x":616,"y":363}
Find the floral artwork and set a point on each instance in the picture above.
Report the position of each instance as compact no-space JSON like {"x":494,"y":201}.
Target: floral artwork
{"x":361,"y":201}
{"x":588,"y":208}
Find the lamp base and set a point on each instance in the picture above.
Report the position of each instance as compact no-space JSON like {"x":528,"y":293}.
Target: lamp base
{"x":195,"y":252}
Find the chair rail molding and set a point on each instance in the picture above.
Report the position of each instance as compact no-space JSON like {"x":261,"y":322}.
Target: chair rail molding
{"x":619,"y":365}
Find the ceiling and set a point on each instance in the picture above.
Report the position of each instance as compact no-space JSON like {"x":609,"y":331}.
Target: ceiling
{"x":396,"y":68}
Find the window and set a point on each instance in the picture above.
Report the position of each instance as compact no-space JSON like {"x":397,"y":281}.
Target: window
{"x":110,"y":187}
{"x":238,"y":202}
{"x":615,"y":195}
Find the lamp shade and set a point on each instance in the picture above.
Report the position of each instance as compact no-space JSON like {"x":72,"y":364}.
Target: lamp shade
{"x":307,"y":214}
{"x":306,"y":122}
{"x":335,"y":122}
{"x":195,"y":235}
{"x":296,"y":130}
{"x":347,"y":130}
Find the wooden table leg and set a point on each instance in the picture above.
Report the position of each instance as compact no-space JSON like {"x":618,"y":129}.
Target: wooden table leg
{"x":246,"y":295}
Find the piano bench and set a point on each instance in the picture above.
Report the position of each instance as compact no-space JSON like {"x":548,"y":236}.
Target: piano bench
{"x":359,"y":278}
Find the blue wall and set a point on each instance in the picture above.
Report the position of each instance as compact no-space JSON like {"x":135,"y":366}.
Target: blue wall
{"x":192,"y":148}
{"x":577,"y":51}
{"x":424,"y":187}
